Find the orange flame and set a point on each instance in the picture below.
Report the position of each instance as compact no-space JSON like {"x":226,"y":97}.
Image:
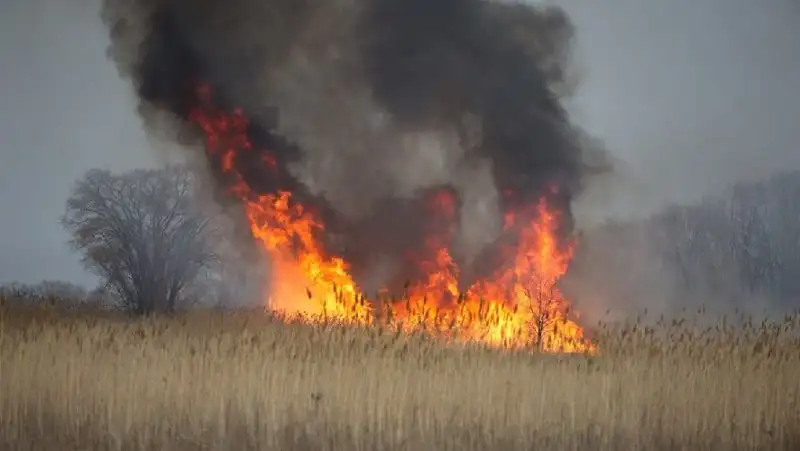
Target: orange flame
{"x":520,"y":307}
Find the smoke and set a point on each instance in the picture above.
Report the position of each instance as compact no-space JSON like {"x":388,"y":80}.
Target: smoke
{"x":370,"y":106}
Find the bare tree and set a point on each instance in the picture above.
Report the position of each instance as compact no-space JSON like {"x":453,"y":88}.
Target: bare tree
{"x":737,"y":247}
{"x":548,"y":311}
{"x":140,"y":232}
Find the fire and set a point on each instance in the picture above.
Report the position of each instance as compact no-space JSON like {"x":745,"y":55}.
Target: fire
{"x":519,"y":307}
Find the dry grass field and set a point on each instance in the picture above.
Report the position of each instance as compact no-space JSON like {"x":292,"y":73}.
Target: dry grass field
{"x":245,"y":381}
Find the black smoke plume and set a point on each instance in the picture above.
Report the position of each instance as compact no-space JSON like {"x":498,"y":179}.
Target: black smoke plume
{"x":372,"y":106}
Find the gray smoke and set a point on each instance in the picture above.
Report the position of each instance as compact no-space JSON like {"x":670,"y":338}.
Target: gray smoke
{"x":370,"y":105}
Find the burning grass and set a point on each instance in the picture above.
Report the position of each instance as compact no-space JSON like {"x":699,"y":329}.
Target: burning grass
{"x":305,"y":279}
{"x":246,"y":380}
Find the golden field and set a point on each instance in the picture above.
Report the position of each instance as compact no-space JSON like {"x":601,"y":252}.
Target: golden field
{"x":246,"y":381}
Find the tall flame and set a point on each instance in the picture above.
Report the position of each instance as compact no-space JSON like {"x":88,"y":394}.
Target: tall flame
{"x":519,"y":307}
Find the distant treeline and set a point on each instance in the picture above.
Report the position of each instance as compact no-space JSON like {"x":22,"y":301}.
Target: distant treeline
{"x":740,"y":248}
{"x":55,"y":293}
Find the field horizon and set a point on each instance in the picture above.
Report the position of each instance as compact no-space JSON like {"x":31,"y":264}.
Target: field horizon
{"x":244,"y":380}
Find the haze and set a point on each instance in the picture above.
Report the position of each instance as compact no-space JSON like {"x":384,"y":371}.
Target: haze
{"x":689,"y":94}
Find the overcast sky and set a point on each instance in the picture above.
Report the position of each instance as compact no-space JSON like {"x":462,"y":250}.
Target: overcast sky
{"x":689,"y":94}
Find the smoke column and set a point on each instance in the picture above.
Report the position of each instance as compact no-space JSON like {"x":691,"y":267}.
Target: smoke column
{"x":370,"y":106}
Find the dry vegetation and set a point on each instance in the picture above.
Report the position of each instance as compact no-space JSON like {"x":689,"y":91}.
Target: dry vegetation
{"x":245,"y":381}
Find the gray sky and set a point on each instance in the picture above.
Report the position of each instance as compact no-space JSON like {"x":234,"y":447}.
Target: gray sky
{"x":690,"y":94}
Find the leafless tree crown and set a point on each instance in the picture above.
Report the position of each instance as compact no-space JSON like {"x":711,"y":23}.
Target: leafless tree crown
{"x":140,"y":232}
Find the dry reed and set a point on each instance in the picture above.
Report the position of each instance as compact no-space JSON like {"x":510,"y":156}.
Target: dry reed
{"x":247,"y":381}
